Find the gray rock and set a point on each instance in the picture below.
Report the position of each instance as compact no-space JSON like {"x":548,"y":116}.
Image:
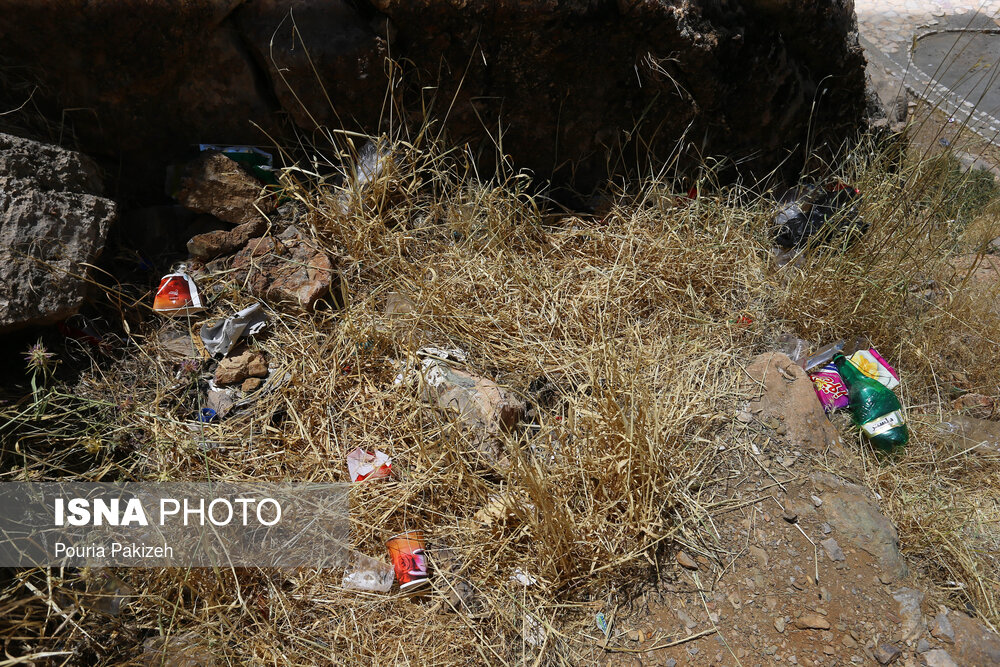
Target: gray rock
{"x":939,"y":658}
{"x":886,"y":654}
{"x":909,"y":600}
{"x":975,"y":644}
{"x":941,"y":629}
{"x":833,"y":550}
{"x":857,"y":519}
{"x":923,"y":645}
{"x":53,"y":223}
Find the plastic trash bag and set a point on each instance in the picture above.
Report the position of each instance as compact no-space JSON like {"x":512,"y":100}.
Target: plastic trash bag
{"x":814,"y":214}
{"x":220,"y":337}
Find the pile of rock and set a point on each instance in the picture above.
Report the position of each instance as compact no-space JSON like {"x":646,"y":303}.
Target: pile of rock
{"x":273,"y":258}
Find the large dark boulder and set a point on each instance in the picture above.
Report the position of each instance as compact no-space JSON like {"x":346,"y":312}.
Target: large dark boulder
{"x":573,"y":90}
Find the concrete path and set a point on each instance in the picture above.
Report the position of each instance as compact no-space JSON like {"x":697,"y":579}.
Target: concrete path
{"x":945,"y":51}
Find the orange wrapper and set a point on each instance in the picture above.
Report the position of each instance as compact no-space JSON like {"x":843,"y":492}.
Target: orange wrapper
{"x":177,"y":295}
{"x":407,"y":553}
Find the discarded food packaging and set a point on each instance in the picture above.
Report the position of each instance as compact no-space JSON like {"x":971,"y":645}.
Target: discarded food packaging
{"x":362,"y":465}
{"x":408,"y":561}
{"x":177,"y":295}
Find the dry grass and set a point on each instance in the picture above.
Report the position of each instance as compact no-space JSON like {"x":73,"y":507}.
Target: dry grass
{"x":635,"y":317}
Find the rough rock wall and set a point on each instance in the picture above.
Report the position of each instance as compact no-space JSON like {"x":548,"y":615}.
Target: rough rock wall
{"x":572,"y":88}
{"x":52,"y":226}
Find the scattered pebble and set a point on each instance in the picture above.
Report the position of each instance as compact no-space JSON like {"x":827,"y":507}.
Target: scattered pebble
{"x":817,"y":501}
{"x":686,"y":561}
{"x":833,"y":550}
{"x":744,"y":416}
{"x":779,"y":624}
{"x":812,"y":621}
{"x":887,"y":654}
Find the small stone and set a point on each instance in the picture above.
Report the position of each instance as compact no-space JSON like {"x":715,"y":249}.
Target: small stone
{"x":790,"y":516}
{"x":939,"y":658}
{"x":923,"y":645}
{"x":812,"y":621}
{"x":251,"y":384}
{"x":236,"y":369}
{"x":829,"y":650}
{"x":693,"y":650}
{"x":759,"y":554}
{"x":257,"y":366}
{"x":826,"y":528}
{"x":848,"y":641}
{"x":670,"y":662}
{"x":886,"y":654}
{"x":686,"y":561}
{"x":833,"y":550}
{"x":744,"y":416}
{"x":942,"y":630}
{"x":635,"y":635}
{"x":817,"y":501}
{"x":909,"y":600}
{"x":779,"y":624}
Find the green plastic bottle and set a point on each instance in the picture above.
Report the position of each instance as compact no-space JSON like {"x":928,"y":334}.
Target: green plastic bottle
{"x":874,"y":407}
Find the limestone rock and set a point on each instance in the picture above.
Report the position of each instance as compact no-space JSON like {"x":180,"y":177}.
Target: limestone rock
{"x":938,"y":657}
{"x":223,"y":242}
{"x":214,"y":184}
{"x":570,"y":82}
{"x":909,"y":601}
{"x":942,"y":630}
{"x":53,"y":223}
{"x":811,"y":621}
{"x":236,"y":369}
{"x":289,"y":270}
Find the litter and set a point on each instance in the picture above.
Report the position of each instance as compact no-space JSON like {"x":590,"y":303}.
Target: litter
{"x":371,"y":163}
{"x":177,"y":295}
{"x":206,"y":415}
{"x":220,"y":400}
{"x":833,"y":392}
{"x":79,"y":327}
{"x":874,"y":407}
{"x":810,"y":209}
{"x":408,"y":561}
{"x":533,"y":631}
{"x":823,"y":356}
{"x":367,"y":574}
{"x":220,"y":337}
{"x":602,"y":623}
{"x":522,"y":578}
{"x":362,"y":465}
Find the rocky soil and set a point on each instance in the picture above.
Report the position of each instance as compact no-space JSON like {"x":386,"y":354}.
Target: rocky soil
{"x":794,"y":563}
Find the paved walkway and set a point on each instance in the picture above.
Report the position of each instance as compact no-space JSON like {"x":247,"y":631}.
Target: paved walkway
{"x":944,"y":51}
